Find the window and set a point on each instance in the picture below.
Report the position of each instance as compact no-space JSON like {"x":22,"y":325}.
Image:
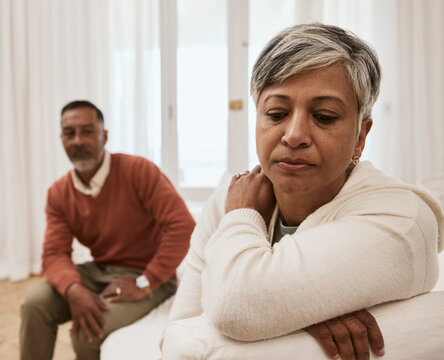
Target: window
{"x":202,"y":95}
{"x":201,"y":59}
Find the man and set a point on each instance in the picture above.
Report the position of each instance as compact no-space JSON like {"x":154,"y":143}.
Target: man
{"x":125,"y":210}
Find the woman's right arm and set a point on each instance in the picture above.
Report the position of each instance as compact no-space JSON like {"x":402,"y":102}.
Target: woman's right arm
{"x":381,"y":247}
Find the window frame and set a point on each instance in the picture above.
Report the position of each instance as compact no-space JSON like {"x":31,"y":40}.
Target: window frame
{"x":237,"y":122}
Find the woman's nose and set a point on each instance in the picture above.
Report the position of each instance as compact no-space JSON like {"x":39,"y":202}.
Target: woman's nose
{"x":297,"y":131}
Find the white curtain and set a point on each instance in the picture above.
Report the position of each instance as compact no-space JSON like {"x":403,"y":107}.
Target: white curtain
{"x":52,"y":52}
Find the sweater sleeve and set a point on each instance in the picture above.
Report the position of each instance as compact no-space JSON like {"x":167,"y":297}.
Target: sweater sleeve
{"x":58,"y":267}
{"x":366,"y":256}
{"x":188,"y":302}
{"x":170,"y":211}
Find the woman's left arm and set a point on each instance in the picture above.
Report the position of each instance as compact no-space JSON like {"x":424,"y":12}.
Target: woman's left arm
{"x":252,"y":291}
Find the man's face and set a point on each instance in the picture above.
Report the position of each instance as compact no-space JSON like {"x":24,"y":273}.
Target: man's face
{"x":83,"y":138}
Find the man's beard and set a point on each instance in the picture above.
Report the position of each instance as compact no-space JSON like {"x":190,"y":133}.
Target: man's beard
{"x":83,"y":158}
{"x":84,"y":165}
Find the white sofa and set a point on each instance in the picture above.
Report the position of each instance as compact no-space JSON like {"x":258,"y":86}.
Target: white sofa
{"x":140,"y":340}
{"x":412,"y":329}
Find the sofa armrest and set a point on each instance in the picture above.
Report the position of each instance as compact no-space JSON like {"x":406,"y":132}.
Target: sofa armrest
{"x":412,"y":329}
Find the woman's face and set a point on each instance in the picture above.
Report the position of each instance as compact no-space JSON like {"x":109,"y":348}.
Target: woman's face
{"x":307,"y":132}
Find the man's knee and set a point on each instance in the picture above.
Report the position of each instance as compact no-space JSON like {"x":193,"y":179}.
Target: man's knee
{"x":37,"y":299}
{"x":44,"y":301}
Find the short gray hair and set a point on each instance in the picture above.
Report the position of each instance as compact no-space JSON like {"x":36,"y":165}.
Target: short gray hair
{"x":312,"y":46}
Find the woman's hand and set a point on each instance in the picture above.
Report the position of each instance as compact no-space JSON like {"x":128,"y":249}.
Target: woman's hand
{"x":251,"y":190}
{"x":349,"y":336}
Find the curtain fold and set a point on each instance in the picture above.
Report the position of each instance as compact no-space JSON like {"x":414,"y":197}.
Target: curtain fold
{"x":411,"y":111}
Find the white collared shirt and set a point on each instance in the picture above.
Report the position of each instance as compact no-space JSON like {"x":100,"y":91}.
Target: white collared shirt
{"x":96,"y":183}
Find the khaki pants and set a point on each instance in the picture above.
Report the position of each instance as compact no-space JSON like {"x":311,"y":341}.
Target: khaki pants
{"x":44,"y":309}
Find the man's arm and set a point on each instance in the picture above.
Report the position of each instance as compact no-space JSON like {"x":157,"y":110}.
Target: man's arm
{"x":161,"y":202}
{"x":58,"y":267}
{"x":86,"y":306}
{"x":169,"y":210}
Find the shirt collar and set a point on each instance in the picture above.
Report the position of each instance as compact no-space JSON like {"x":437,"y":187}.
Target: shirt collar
{"x":96,"y":183}
{"x":280,"y":230}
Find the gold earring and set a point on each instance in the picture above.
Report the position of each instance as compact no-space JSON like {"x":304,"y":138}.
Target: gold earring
{"x":355,"y":160}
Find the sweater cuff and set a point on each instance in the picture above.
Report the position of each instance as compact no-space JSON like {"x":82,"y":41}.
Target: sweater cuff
{"x":63,"y":286}
{"x":245,"y":215}
{"x":155,"y":282}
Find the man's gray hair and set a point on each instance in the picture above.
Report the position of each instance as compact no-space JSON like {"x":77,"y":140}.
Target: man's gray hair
{"x":312,"y":46}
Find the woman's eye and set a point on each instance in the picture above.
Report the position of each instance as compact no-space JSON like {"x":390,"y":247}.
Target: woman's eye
{"x":325,"y":119}
{"x":276,"y":116}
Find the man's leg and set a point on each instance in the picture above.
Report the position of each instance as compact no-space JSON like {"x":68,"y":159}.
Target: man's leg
{"x":42,"y":311}
{"x":122,"y":313}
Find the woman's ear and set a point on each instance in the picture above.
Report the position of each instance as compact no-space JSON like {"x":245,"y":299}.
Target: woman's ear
{"x":360,"y":142}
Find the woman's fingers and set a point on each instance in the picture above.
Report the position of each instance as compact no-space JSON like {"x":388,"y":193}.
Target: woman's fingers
{"x":342,"y":338}
{"x":324,"y":337}
{"x":350,"y":336}
{"x":375,"y":337}
{"x":252,"y":190}
{"x":359,"y":336}
{"x":257,"y":169}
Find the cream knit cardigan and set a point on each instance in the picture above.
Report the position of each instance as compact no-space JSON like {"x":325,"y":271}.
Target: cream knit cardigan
{"x":376,"y":241}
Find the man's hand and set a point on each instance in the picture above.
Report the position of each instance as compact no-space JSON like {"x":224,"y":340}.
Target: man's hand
{"x":349,"y":336}
{"x":86,"y":311}
{"x":124,"y":289}
{"x":251,"y":190}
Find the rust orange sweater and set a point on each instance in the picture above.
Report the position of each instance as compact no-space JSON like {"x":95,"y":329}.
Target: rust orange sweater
{"x":137,"y":220}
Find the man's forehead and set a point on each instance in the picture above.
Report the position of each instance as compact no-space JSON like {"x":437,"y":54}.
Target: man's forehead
{"x":70,"y":125}
{"x":83,"y":116}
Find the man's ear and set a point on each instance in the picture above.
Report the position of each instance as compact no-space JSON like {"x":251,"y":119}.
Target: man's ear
{"x":360,"y":142}
{"x":105,"y":136}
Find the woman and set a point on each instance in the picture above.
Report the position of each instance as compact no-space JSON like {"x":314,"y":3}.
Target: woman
{"x":310,"y":234}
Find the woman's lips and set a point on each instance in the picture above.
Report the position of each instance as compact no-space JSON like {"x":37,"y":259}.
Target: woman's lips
{"x":295,"y":164}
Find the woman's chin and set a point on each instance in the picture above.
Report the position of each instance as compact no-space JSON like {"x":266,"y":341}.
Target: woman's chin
{"x":292,"y":186}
